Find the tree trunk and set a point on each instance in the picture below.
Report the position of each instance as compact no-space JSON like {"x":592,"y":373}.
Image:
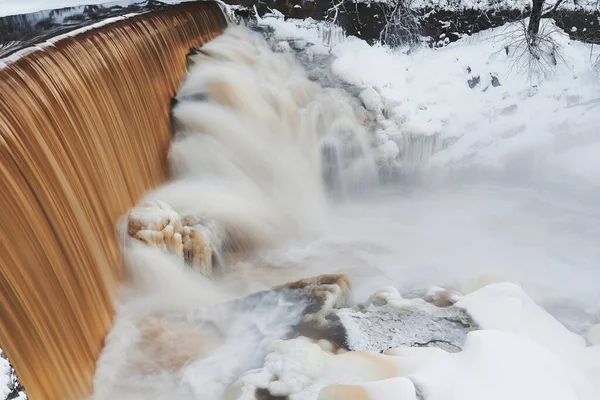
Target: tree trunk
{"x":534,"y":22}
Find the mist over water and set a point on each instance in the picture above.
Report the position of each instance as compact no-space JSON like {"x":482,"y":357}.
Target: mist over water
{"x":287,"y":166}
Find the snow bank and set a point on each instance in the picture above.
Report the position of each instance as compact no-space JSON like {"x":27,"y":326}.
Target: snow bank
{"x":521,"y":353}
{"x":4,"y":377}
{"x":496,"y":365}
{"x":510,"y":113}
{"x":475,"y":102}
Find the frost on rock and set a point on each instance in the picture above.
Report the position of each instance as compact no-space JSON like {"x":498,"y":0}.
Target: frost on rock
{"x":378,"y":326}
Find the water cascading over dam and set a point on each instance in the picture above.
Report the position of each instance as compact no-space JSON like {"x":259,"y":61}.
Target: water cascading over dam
{"x":84,"y":131}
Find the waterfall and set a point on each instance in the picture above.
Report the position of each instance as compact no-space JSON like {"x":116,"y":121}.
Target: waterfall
{"x":84,"y":130}
{"x":258,"y":153}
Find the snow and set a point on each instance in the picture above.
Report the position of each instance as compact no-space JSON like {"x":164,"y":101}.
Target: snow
{"x":517,"y":119}
{"x":505,"y":306}
{"x":512,"y":119}
{"x":496,"y":365}
{"x":521,"y":353}
{"x":425,"y":94}
{"x":4,"y":377}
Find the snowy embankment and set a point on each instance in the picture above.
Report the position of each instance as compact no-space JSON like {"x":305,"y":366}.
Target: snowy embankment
{"x":520,"y":352}
{"x":480,"y":101}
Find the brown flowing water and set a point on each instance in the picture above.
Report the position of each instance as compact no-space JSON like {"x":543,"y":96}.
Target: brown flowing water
{"x":84,"y":130}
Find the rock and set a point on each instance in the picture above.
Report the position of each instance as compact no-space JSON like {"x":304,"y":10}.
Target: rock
{"x":387,"y":323}
{"x":441,"y":297}
{"x":495,"y":81}
{"x":152,"y":216}
{"x":281,"y":47}
{"x":474,"y":81}
{"x":371,"y":100}
{"x":299,"y":44}
{"x":378,"y":326}
{"x":200,"y":243}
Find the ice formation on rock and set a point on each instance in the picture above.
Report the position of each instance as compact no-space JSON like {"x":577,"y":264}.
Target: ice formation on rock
{"x":198,"y":242}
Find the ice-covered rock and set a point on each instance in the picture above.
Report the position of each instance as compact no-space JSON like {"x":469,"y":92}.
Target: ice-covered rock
{"x":197,"y":241}
{"x":405,"y":322}
{"x":371,"y":100}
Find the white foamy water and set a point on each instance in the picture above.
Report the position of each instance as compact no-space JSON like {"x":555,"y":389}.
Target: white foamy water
{"x":289,"y":168}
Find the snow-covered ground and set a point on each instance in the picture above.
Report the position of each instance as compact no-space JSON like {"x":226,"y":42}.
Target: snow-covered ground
{"x":4,"y":378}
{"x":536,"y":119}
{"x":521,"y":353}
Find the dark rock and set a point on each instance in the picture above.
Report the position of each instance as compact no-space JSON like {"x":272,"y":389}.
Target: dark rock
{"x":473,"y":81}
{"x":495,"y":81}
{"x":264,"y":394}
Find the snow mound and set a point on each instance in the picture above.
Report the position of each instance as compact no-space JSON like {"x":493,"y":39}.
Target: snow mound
{"x":521,"y":353}
{"x":484,"y":101}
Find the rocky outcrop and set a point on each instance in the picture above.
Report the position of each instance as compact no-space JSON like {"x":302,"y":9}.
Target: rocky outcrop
{"x":379,"y":327}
